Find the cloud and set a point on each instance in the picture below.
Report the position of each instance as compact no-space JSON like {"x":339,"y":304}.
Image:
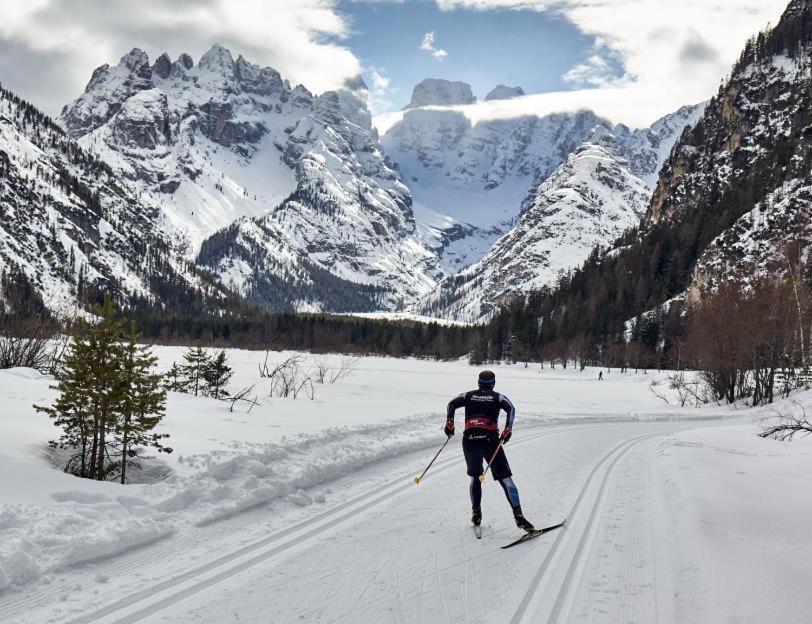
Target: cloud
{"x":596,"y":71}
{"x":380,"y":90}
{"x":697,"y":50}
{"x":379,"y":82}
{"x":427,"y":45}
{"x":49,"y":48}
{"x":669,"y":53}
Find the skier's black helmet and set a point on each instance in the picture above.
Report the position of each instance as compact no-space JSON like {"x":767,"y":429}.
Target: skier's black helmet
{"x":487,"y":380}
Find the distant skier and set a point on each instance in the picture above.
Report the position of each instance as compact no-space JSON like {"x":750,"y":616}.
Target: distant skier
{"x":480,"y":439}
{"x":600,"y":376}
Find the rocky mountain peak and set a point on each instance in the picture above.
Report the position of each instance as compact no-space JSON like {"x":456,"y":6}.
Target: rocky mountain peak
{"x":217,"y":59}
{"x":162,"y":66}
{"x":503,"y":92}
{"x":440,"y":92}
{"x":137,"y":61}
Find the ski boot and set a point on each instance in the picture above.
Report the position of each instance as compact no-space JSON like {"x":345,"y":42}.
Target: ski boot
{"x":521,"y":521}
{"x":476,"y":516}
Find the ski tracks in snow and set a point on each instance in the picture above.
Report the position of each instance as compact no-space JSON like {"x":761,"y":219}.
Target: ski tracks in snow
{"x":556,"y":587}
{"x":153,"y":599}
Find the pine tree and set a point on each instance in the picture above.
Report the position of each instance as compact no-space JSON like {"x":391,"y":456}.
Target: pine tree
{"x":195,"y":367}
{"x":142,"y":405}
{"x":87,"y":383}
{"x":174,"y":380}
{"x":217,"y":375}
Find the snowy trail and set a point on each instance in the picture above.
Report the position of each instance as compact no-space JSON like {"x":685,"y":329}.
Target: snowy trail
{"x":147,"y":600}
{"x":337,"y":578}
{"x":551,"y":592}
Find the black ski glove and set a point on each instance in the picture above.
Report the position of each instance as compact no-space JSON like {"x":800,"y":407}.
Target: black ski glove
{"x":506,"y":433}
{"x":449,"y":428}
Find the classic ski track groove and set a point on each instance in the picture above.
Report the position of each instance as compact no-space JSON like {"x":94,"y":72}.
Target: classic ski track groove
{"x":326,"y":519}
{"x":536,"y":586}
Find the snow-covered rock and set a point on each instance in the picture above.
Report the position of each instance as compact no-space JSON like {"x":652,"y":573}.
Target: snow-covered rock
{"x":503,"y":92}
{"x":743,"y":172}
{"x":440,"y":92}
{"x":69,"y":228}
{"x":599,"y":192}
{"x":470,"y":181}
{"x":276,"y":191}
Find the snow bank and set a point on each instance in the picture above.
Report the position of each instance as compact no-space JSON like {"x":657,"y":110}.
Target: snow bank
{"x":734,"y":514}
{"x":225,"y":463}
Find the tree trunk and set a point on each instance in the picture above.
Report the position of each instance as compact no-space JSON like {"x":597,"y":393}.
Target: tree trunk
{"x":124,"y":459}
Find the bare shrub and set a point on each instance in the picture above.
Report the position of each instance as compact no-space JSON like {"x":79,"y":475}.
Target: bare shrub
{"x":27,"y":342}
{"x":785,"y":425}
{"x":243,"y":396}
{"x":288,"y":379}
{"x":323,"y":373}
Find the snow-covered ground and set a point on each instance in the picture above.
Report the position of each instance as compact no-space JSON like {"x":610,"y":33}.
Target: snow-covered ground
{"x":306,"y":510}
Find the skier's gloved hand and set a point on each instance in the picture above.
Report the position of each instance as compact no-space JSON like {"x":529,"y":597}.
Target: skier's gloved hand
{"x":506,"y":433}
{"x":449,"y":428}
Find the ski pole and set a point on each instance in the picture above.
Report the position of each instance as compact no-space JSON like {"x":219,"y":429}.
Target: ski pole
{"x":417,"y":480}
{"x":488,"y":467}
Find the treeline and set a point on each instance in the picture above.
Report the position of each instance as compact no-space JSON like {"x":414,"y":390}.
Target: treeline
{"x":252,"y":328}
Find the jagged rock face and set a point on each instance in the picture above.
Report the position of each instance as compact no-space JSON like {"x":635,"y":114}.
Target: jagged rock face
{"x":768,"y":240}
{"x":589,"y":200}
{"x":470,"y":182}
{"x":439,"y":92}
{"x":228,"y":142}
{"x":67,"y":224}
{"x":503,"y":92}
{"x":743,"y":171}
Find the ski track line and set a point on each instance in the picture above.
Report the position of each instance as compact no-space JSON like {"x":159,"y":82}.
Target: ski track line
{"x":161,"y":596}
{"x":535,"y":589}
{"x":203,"y":533}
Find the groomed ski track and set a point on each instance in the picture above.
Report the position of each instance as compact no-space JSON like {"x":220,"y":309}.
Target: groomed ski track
{"x":552,"y":568}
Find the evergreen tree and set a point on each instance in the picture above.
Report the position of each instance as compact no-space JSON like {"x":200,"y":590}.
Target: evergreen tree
{"x":142,"y":405}
{"x":217,"y":375}
{"x":174,"y":380}
{"x":87,"y":381}
{"x":197,"y":361}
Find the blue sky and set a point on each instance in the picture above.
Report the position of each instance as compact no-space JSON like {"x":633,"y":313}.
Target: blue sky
{"x":628,"y":60}
{"x":533,"y":49}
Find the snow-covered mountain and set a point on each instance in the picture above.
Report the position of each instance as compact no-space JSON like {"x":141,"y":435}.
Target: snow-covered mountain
{"x":602,"y":189}
{"x":742,"y":178}
{"x":70,"y":229}
{"x":440,"y":92}
{"x":470,"y":181}
{"x":302,"y":206}
{"x":503,"y":92}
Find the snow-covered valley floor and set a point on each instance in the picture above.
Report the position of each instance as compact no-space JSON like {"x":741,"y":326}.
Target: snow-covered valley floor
{"x":306,"y":511}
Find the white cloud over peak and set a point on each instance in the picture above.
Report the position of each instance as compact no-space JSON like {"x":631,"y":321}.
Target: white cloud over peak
{"x":48,"y":48}
{"x":671,"y":53}
{"x":427,"y":45}
{"x":380,"y":90}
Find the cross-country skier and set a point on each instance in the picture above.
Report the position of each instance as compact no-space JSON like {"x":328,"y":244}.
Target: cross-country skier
{"x":481,"y":438}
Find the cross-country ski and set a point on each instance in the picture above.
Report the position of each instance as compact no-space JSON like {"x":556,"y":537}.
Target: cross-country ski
{"x":535,"y":533}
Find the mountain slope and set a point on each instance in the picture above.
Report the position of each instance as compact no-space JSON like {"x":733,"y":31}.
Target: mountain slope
{"x":470,"y":181}
{"x":590,"y":200}
{"x":745,"y":171}
{"x":70,"y":229}
{"x":732,"y":201}
{"x":293,"y":188}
